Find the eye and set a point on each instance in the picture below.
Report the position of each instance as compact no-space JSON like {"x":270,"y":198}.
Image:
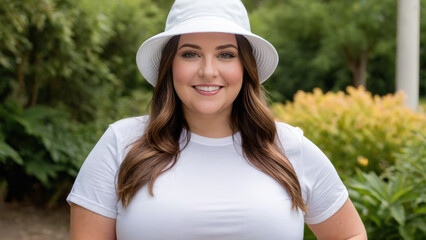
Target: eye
{"x":189,"y":55}
{"x":226,"y":55}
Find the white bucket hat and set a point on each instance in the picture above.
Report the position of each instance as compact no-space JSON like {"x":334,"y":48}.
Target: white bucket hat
{"x":195,"y":16}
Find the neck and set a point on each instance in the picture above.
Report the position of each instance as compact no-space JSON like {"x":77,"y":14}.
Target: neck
{"x":213,"y":126}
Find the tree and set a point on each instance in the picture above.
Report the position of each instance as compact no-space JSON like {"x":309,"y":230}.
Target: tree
{"x":63,"y":80}
{"x":50,"y":54}
{"x":329,"y":43}
{"x":132,"y":22}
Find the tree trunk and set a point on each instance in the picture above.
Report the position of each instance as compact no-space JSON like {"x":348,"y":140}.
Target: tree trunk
{"x":358,"y":67}
{"x":35,"y":87}
{"x":20,"y":88}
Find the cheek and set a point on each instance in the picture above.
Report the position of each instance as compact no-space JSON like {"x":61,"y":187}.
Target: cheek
{"x":182,"y":76}
{"x":182,"y":72}
{"x":233,"y":74}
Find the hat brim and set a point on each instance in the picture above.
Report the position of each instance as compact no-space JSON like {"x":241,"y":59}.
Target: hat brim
{"x":149,"y":54}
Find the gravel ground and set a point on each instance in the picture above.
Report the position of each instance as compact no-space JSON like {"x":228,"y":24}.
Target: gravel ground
{"x":23,"y":222}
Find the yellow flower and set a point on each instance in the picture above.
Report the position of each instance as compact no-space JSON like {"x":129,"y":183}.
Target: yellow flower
{"x":363,"y":161}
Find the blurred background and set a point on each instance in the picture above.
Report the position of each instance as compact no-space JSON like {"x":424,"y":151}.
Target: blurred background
{"x":67,"y":70}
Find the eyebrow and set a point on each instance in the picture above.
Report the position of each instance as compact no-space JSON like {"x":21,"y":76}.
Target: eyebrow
{"x":226,"y":46}
{"x":217,"y":48}
{"x":190,"y":45}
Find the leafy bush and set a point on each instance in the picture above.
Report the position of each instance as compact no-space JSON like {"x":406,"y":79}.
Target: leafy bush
{"x":42,"y":148}
{"x":354,"y":129}
{"x":63,"y":79}
{"x":41,"y":151}
{"x":393,"y":204}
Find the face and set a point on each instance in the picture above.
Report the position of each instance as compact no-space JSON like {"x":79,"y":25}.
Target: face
{"x":207,"y":73}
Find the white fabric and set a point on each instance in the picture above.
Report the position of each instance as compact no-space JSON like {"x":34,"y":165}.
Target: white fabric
{"x":212,"y":192}
{"x":188,"y":16}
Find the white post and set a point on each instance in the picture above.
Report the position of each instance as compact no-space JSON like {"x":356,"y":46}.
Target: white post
{"x":407,"y":54}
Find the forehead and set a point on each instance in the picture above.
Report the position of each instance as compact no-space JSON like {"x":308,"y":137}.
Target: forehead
{"x":208,"y":39}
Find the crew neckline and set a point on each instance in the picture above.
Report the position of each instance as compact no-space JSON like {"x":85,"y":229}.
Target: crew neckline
{"x":213,"y":141}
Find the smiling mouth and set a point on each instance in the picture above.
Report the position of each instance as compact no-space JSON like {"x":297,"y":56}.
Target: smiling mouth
{"x":208,"y":88}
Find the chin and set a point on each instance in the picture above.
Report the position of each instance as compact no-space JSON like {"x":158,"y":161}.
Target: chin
{"x":208,"y":110}
{"x":211,"y":112}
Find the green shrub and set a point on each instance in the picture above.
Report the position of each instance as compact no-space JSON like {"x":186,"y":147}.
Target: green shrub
{"x":393,"y":204}
{"x":354,"y":129}
{"x":66,"y":72}
{"x":41,"y":151}
{"x":42,"y":148}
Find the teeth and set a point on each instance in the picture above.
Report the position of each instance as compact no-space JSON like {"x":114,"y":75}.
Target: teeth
{"x":207,"y":89}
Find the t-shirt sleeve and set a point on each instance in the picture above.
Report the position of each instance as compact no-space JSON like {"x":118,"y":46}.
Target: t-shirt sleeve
{"x":325,"y":192}
{"x":94,"y":187}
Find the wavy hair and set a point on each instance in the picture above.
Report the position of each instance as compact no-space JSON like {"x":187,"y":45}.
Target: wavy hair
{"x":158,"y":149}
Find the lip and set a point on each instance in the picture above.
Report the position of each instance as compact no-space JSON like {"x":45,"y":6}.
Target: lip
{"x":207,"y":93}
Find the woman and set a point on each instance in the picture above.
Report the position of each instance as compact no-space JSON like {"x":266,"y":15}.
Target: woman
{"x":209,"y":162}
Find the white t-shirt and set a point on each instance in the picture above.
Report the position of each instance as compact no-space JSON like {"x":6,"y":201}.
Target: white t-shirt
{"x":212,"y":192}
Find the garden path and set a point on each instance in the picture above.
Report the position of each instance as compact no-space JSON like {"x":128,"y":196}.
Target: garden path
{"x":25,"y":222}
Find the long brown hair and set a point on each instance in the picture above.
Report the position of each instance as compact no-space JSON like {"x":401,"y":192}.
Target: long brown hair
{"x":158,"y":149}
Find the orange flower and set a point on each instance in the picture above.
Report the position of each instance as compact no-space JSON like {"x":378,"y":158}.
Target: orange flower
{"x":363,"y":161}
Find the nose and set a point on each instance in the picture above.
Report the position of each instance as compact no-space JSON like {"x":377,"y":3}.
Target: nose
{"x":208,"y":68}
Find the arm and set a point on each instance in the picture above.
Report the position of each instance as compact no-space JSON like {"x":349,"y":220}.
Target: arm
{"x":344,"y":224}
{"x":86,"y":224}
{"x":93,"y":198}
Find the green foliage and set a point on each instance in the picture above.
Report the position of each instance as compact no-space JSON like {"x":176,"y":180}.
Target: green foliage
{"x":50,"y":51}
{"x":44,"y":149}
{"x":393,"y":204}
{"x":131,"y":22}
{"x":7,"y":151}
{"x":308,"y":234}
{"x":321,"y":44}
{"x":376,"y":135}
{"x":422,"y":104}
{"x":354,"y":129}
{"x":67,"y":71}
{"x":55,"y":53}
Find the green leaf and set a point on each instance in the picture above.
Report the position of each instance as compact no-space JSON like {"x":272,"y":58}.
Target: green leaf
{"x":376,"y":220}
{"x":372,"y":185}
{"x":404,"y":233}
{"x":398,"y":213}
{"x":420,"y":225}
{"x":7,"y":151}
{"x":399,"y":193}
{"x":421,"y":210}
{"x":43,"y":170}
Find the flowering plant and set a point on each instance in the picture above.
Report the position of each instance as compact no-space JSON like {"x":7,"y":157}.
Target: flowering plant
{"x":354,"y":128}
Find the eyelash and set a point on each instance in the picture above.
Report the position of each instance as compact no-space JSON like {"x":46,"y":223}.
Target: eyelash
{"x":226,"y":55}
{"x":189,"y":54}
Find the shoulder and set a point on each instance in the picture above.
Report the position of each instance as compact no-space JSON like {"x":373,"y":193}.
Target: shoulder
{"x":130,"y":123}
{"x":290,"y":138}
{"x":128,"y":130}
{"x":297,"y":148}
{"x":300,"y":151}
